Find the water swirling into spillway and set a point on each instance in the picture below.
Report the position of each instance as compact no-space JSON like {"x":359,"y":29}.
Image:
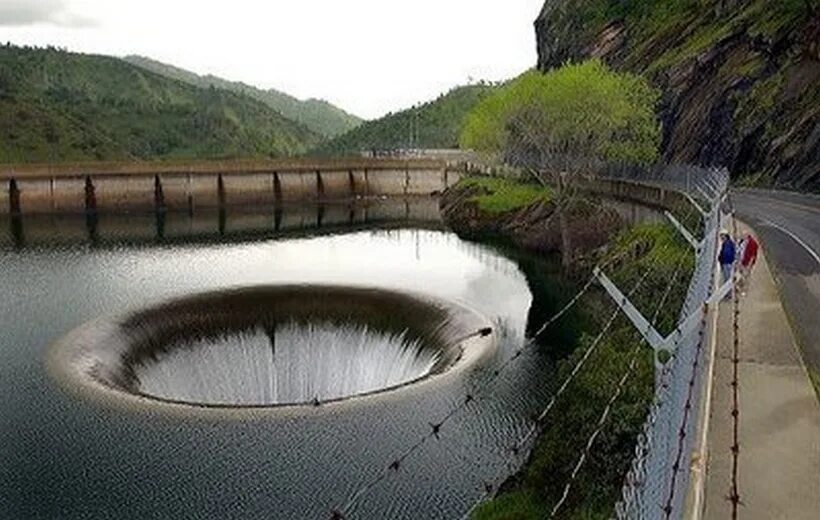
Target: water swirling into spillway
{"x":293,"y":363}
{"x":268,"y":346}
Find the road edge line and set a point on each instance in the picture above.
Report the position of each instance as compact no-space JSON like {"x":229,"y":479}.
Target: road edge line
{"x":794,"y":237}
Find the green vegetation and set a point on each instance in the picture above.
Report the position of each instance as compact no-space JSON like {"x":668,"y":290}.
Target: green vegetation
{"x":317,"y":115}
{"x":693,"y":27}
{"x":678,"y":18}
{"x":435,"y":124}
{"x":516,"y":505}
{"x":536,"y":489}
{"x":753,"y":66}
{"x":705,"y":37}
{"x":666,"y":33}
{"x":578,"y":110}
{"x":500,"y":195}
{"x":760,"y":100}
{"x":782,"y":102}
{"x":767,"y":18}
{"x":710,"y":55}
{"x":61,"y":106}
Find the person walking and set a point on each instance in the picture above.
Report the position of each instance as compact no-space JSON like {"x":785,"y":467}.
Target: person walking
{"x":726,"y":258}
{"x":748,"y":257}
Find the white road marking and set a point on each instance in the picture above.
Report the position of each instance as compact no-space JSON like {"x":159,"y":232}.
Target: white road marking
{"x":795,"y":238}
{"x":781,"y":202}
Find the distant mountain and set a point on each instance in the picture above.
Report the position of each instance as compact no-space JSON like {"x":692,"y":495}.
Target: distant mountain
{"x":435,"y":124}
{"x":318,"y":115}
{"x":60,"y":106}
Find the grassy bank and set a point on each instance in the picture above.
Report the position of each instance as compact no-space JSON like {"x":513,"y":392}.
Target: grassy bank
{"x":653,"y":248}
{"x":500,"y":195}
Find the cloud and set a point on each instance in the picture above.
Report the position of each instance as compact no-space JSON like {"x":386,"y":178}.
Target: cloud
{"x":31,"y":12}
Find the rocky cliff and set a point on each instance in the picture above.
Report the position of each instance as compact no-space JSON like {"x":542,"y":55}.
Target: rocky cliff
{"x":741,"y":78}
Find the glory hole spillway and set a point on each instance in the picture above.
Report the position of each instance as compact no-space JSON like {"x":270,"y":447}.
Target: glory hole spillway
{"x":184,"y":363}
{"x":268,"y":346}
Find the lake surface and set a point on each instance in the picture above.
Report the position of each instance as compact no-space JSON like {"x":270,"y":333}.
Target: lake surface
{"x":64,"y":457}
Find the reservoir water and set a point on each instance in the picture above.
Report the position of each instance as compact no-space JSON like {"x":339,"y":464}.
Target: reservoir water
{"x":62,"y":456}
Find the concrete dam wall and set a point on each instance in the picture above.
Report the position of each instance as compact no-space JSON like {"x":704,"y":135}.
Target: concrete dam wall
{"x":145,"y":186}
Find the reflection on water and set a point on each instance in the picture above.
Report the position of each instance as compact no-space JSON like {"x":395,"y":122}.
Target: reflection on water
{"x":64,"y":457}
{"x":37,"y":230}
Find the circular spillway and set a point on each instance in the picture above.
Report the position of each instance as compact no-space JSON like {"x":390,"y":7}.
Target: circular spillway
{"x":269,"y":346}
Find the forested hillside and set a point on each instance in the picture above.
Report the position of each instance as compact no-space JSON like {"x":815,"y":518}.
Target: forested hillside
{"x":60,"y":106}
{"x":318,"y":115}
{"x":740,"y":78}
{"x":435,"y":124}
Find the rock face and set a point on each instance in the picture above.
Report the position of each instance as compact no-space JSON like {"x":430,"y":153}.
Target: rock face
{"x":584,"y":225}
{"x":741,"y":78}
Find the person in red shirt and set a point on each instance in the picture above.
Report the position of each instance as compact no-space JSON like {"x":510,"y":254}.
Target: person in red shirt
{"x":748,"y":256}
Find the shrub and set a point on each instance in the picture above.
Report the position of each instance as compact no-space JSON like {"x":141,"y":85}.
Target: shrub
{"x":579,"y":110}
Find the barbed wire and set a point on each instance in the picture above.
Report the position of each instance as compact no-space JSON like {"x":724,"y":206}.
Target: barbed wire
{"x":517,"y":448}
{"x":634,"y":479}
{"x":435,"y":428}
{"x":619,"y":390}
{"x":687,"y":411}
{"x":734,"y":494}
{"x":630,"y":370}
{"x":534,"y":429}
{"x":642,"y":444}
{"x":598,"y":429}
{"x":652,"y":453}
{"x":668,"y":507}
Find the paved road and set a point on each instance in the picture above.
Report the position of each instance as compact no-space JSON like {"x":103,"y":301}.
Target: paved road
{"x":789,"y":227}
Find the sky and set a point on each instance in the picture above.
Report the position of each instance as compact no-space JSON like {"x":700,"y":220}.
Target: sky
{"x":369,"y":57}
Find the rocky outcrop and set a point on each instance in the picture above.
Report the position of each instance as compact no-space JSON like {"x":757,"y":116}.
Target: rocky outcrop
{"x":583,"y":226}
{"x":740,"y":78}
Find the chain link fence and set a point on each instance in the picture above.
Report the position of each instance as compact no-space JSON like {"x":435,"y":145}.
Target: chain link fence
{"x":657,"y":482}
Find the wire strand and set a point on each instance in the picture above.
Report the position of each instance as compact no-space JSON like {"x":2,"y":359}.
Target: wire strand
{"x":517,"y":448}
{"x":395,"y":465}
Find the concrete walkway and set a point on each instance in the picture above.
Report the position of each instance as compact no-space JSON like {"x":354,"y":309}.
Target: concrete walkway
{"x":779,"y":462}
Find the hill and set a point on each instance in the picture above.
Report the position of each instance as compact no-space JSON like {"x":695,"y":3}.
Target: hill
{"x":318,"y":115}
{"x":58,"y":106}
{"x":435,"y":124}
{"x":740,"y":78}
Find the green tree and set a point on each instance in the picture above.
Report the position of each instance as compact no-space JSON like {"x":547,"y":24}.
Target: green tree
{"x":568,"y":121}
{"x":569,"y":117}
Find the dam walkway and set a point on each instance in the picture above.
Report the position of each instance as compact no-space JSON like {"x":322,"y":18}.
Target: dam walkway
{"x":777,"y":474}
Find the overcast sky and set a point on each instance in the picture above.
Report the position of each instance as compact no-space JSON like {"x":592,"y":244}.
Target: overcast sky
{"x":367,"y":56}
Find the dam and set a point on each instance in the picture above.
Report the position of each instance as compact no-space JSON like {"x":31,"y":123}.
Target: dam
{"x":130,"y":322}
{"x":189,"y":186}
{"x":268,"y":346}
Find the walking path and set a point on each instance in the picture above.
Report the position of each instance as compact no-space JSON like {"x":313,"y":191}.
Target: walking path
{"x":779,"y":420}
